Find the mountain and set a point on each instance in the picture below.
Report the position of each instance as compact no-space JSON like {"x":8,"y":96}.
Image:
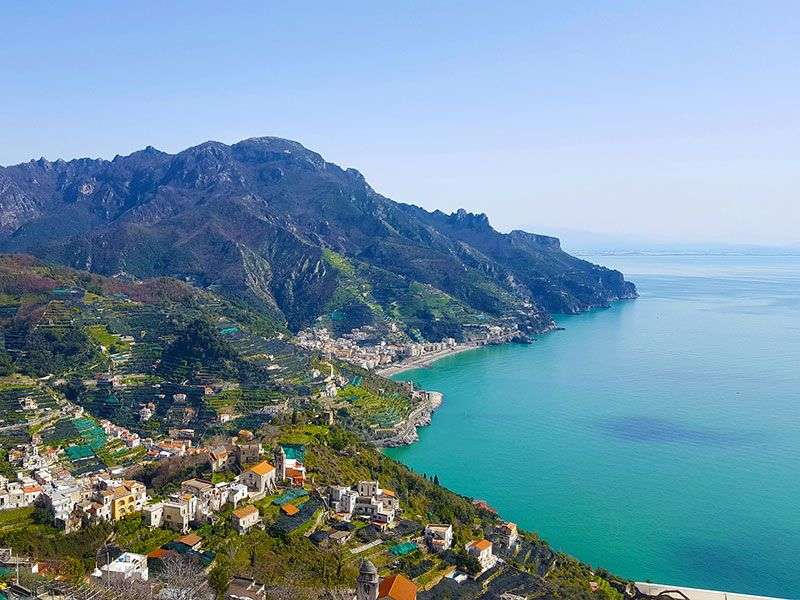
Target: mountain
{"x":271,"y":224}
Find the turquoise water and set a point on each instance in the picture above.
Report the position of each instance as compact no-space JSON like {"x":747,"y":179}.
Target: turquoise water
{"x":659,"y":438}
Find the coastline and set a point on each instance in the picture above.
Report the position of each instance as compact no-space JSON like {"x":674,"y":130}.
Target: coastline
{"x":419,"y":362}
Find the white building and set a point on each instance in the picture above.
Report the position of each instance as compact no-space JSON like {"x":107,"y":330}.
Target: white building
{"x":342,"y":500}
{"x":259,"y":478}
{"x":153,"y":514}
{"x":375,"y":503}
{"x":245,"y":518}
{"x":439,"y":536}
{"x":482,"y":550}
{"x":507,"y":534}
{"x":125,"y":567}
{"x":237,"y":493}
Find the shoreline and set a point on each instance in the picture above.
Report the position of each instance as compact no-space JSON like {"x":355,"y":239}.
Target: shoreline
{"x":420,"y":362}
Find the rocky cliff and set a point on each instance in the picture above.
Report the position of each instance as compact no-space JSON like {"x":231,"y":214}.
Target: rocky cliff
{"x":271,"y":224}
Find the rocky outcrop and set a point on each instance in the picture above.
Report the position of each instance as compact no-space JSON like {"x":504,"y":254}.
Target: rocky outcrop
{"x":405,"y":432}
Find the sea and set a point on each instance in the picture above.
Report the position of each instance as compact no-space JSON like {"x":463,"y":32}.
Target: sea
{"x":658,"y":438}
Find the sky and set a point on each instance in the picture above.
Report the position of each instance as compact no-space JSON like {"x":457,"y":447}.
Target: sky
{"x":658,"y":120}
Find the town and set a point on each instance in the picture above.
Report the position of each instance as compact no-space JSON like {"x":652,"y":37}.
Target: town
{"x":370,"y":348}
{"x":272,"y":490}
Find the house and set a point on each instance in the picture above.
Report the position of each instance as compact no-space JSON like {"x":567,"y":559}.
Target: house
{"x":128,"y":498}
{"x":219,"y":458}
{"x":31,"y":493}
{"x":342,"y":500}
{"x":296,"y":477}
{"x":177,"y":513}
{"x":369,"y":488}
{"x":245,"y":588}
{"x":259,"y":478}
{"x":397,"y":587}
{"x":152,"y":514}
{"x":237,"y":492}
{"x":507,"y":534}
{"x":12,"y":496}
{"x":389,"y":500}
{"x":196,"y":487}
{"x":191,"y":540}
{"x":340,"y":537}
{"x":126,"y":567}
{"x":248,"y":453}
{"x":245,"y":518}
{"x":378,"y":505}
{"x":439,"y":537}
{"x":482,"y":550}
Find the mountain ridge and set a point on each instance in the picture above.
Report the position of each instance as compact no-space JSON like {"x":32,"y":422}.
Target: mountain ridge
{"x":271,"y":223}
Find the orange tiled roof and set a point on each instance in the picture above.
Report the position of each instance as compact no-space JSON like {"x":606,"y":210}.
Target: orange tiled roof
{"x":262,"y":468}
{"x":245,"y":511}
{"x":389,"y":493}
{"x":29,"y":489}
{"x":295,"y":473}
{"x":397,"y":587}
{"x":290,"y":509}
{"x":481,"y":544}
{"x":190,"y":540}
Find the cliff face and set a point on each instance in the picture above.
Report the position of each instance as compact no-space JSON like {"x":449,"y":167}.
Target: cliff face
{"x":272,"y":224}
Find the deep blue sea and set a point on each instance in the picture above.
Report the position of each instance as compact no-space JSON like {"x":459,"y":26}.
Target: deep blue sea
{"x":659,"y":438}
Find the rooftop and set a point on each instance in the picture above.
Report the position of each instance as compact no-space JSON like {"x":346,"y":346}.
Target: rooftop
{"x":262,"y":468}
{"x":245,"y":511}
{"x":481,"y":545}
{"x":397,"y":587}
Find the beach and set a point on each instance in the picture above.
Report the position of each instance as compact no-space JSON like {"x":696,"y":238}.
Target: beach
{"x":418,"y":362}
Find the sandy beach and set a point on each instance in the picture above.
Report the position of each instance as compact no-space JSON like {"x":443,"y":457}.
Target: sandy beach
{"x":418,"y":362}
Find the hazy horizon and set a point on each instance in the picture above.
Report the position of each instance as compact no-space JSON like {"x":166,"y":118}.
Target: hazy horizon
{"x":670,"y":122}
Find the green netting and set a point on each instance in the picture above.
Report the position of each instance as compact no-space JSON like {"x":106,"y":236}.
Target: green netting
{"x":294,"y":452}
{"x":287,"y":497}
{"x":83,"y":424}
{"x":403,"y":549}
{"x":93,"y":436}
{"x":78,"y":452}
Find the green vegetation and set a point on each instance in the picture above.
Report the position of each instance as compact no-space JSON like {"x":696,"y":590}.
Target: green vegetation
{"x":111,"y":342}
{"x":372,"y":410}
{"x":130,"y":533}
{"x":351,"y":304}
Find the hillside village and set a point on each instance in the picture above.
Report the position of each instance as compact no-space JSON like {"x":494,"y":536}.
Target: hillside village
{"x":147,"y":426}
{"x":245,"y":487}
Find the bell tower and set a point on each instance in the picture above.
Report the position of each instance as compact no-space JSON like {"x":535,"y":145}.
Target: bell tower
{"x":368,"y":582}
{"x":280,"y":463}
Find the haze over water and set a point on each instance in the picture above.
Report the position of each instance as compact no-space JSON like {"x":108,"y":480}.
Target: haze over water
{"x":659,"y":438}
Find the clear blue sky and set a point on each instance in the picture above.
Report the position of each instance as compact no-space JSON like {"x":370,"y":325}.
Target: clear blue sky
{"x":664,"y":119}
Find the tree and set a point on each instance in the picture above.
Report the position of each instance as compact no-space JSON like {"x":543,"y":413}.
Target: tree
{"x":6,"y":365}
{"x":220,"y":575}
{"x":468,"y":563}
